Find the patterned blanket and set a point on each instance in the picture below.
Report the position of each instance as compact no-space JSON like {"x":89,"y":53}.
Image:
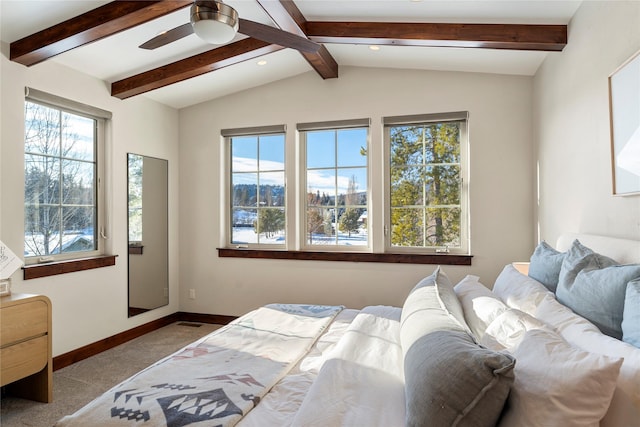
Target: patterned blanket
{"x":216,"y":380}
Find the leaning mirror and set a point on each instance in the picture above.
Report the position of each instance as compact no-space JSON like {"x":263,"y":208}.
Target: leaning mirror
{"x":147,"y":179}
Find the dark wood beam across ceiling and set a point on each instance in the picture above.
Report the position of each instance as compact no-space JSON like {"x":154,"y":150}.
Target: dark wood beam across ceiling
{"x":288,"y":17}
{"x":193,"y":66}
{"x":489,"y":36}
{"x":96,"y":24}
{"x":121,"y":15}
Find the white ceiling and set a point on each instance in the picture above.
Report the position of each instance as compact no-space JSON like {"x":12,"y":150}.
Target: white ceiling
{"x":117,"y":57}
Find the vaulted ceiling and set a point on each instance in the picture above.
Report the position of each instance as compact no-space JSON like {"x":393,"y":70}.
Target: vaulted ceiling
{"x":102,"y":38}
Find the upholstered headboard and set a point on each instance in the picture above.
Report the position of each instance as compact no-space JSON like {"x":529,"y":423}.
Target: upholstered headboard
{"x":624,"y":251}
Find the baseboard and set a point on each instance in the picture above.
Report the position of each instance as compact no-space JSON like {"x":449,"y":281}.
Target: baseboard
{"x":216,"y":319}
{"x":92,"y":349}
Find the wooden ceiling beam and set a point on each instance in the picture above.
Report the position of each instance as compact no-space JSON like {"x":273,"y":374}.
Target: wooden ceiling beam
{"x":96,"y":24}
{"x":491,"y":36}
{"x":121,"y":15}
{"x":193,"y":66}
{"x":286,"y":15}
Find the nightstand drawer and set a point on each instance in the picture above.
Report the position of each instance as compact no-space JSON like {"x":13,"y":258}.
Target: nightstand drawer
{"x":25,"y":346}
{"x":23,"y":321}
{"x":24,"y":359}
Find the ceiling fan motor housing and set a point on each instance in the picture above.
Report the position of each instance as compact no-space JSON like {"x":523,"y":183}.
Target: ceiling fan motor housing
{"x":214,"y":22}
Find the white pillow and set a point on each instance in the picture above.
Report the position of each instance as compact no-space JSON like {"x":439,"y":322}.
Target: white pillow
{"x":556,"y":384}
{"x":519,"y":290}
{"x":508,"y":329}
{"x":480,"y":305}
{"x":625,"y":405}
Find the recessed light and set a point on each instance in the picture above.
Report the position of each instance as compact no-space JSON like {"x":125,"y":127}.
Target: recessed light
{"x":374,"y":47}
{"x":262,"y":62}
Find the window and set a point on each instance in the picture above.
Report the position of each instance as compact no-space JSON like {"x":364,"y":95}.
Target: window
{"x":258,"y":199}
{"x":336,"y":197}
{"x":63,"y":141}
{"x":419,"y":175}
{"x":427,"y":198}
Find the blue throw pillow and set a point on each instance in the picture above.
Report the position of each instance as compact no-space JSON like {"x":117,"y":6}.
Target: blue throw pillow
{"x":545,"y":265}
{"x":631,"y":315}
{"x":594,"y":286}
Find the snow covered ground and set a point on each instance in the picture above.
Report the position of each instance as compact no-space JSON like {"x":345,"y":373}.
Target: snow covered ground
{"x":245,"y":235}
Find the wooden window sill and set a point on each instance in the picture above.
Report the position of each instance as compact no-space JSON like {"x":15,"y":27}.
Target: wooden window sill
{"x":35,"y":271}
{"x":440,"y":259}
{"x":135,"y":250}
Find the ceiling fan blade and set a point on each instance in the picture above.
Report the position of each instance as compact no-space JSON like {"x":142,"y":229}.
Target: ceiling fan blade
{"x":277,"y":36}
{"x":168,"y":36}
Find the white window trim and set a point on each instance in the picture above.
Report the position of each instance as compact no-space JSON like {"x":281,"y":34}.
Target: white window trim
{"x":301,"y":218}
{"x":101,"y":118}
{"x":378,"y":186}
{"x":463,"y":118}
{"x":227,"y":182}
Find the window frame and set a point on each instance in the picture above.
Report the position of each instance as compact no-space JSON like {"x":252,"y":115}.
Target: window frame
{"x":101,"y":118}
{"x":227,"y":136}
{"x":463,"y":118}
{"x":302,"y":129}
{"x":379,"y":248}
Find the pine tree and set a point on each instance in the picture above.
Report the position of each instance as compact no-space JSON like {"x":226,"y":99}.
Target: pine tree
{"x":425,"y":185}
{"x":270,"y":221}
{"x":349,"y":221}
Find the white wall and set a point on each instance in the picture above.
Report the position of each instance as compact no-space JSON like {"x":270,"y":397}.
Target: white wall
{"x":501,"y":183}
{"x":88,"y":305}
{"x":571,"y":118}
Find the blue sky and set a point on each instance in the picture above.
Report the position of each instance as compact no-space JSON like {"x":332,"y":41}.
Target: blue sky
{"x":333,"y":157}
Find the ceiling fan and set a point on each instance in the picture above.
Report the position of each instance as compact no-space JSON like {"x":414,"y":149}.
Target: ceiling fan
{"x":217,"y":23}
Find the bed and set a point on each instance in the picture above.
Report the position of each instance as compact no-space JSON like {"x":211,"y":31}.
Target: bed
{"x":452,"y":355}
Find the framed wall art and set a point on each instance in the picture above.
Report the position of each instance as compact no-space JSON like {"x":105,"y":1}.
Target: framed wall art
{"x":624,"y":112}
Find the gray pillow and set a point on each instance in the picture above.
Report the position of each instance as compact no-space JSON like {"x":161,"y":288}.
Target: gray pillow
{"x":545,"y":265}
{"x":631,"y":314}
{"x":449,"y":379}
{"x":438,"y":298}
{"x":594,"y":286}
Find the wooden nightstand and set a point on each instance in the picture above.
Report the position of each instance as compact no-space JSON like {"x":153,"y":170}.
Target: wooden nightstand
{"x":25,"y":346}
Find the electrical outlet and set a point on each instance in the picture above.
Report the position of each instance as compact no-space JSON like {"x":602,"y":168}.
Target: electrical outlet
{"x":192,"y":294}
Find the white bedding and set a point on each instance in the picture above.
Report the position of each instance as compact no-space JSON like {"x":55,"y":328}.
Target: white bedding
{"x":530,"y":296}
{"x":360,"y":348}
{"x":305,"y":366}
{"x":279,"y":406}
{"x":219,"y":378}
{"x":362,"y":382}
